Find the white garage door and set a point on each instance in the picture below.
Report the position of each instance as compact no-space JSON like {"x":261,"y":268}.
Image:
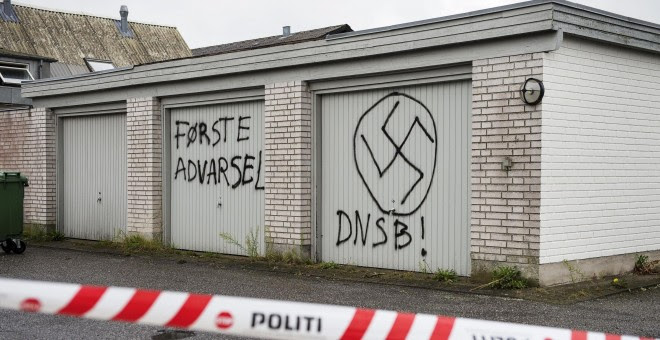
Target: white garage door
{"x":395,"y":177}
{"x":217,"y":177}
{"x":93,"y":176}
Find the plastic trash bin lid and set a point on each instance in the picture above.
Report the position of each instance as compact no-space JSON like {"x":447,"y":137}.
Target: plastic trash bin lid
{"x":13,"y":177}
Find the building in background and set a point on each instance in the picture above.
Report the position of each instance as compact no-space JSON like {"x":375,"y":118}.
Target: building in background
{"x":524,"y":135}
{"x":15,"y":68}
{"x":38,"y":43}
{"x":287,"y":38}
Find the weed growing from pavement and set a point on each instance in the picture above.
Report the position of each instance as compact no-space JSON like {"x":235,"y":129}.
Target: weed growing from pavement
{"x":231,"y":240}
{"x":133,"y":243}
{"x":252,"y":243}
{"x":576,"y":273}
{"x":506,"y":277}
{"x":642,"y":265}
{"x":41,"y":235}
{"x":291,"y":256}
{"x":251,"y":247}
{"x":328,"y":265}
{"x":445,"y":275}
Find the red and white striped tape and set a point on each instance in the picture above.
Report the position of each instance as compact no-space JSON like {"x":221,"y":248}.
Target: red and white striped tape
{"x":261,"y":318}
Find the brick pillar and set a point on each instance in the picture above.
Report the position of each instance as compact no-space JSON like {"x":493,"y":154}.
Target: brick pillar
{"x":144,"y":175}
{"x":505,"y":204}
{"x":27,"y":145}
{"x":288,"y":175}
{"x":41,"y":197}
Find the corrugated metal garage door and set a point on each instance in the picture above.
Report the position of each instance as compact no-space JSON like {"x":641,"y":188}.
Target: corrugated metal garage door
{"x":217,"y":176}
{"x":93,"y":179}
{"x":395,"y":177}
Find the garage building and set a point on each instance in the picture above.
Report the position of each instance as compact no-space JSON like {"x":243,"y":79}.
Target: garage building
{"x":406,"y":147}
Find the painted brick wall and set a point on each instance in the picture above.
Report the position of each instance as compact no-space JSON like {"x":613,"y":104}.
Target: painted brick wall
{"x":288,"y":176}
{"x":27,"y":144}
{"x":505,"y":205}
{"x":144,"y":182}
{"x":601,"y":152}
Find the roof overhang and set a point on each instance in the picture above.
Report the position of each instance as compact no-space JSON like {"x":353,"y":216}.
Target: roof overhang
{"x":19,"y":55}
{"x":527,"y":20}
{"x":619,"y":19}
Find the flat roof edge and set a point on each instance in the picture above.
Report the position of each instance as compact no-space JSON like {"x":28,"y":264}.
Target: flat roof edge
{"x":77,"y":76}
{"x":492,"y":10}
{"x":19,"y":55}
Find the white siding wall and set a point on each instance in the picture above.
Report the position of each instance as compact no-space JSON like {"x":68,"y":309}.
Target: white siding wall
{"x":428,"y":229}
{"x":93,"y":166}
{"x":228,"y":199}
{"x":600,"y":192}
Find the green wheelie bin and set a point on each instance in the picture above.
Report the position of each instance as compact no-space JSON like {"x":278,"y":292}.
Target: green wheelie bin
{"x":12,"y":186}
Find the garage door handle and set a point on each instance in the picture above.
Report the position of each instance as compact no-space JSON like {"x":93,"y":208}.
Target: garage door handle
{"x":98,"y":200}
{"x":219,"y":202}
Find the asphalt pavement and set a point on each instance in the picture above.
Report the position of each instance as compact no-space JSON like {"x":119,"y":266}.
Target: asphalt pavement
{"x":635,"y":313}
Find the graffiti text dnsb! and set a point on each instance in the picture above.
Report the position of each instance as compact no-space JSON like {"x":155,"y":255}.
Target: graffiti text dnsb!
{"x":358,"y":227}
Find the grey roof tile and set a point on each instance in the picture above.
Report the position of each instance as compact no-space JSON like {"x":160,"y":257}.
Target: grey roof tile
{"x":70,"y":37}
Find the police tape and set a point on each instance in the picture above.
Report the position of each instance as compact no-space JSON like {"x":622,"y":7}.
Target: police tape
{"x":261,"y":318}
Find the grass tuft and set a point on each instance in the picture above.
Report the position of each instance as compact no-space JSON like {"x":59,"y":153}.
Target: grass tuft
{"x":132,"y":243}
{"x":251,"y":247}
{"x":41,"y":235}
{"x":328,"y":265}
{"x":642,"y":265}
{"x":506,"y":277}
{"x":291,"y":256}
{"x":445,"y":275}
{"x":576,"y":274}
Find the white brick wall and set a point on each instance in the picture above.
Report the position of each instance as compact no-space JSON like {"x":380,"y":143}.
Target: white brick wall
{"x":27,"y":145}
{"x":505,"y":205}
{"x":288,"y":176}
{"x":144,"y":182}
{"x":601,"y":152}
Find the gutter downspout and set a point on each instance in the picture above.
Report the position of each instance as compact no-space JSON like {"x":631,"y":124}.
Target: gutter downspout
{"x":559,"y":39}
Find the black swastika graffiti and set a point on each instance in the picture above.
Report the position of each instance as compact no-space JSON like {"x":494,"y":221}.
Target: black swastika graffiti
{"x":395,"y":151}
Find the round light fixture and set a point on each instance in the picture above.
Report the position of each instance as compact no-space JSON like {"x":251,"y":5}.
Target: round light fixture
{"x":532,"y":91}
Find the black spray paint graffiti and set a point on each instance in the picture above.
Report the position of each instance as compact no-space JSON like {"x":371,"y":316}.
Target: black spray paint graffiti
{"x":199,"y":131}
{"x":358,"y":229}
{"x":384,"y":124}
{"x":209,"y":172}
{"x":241,"y":168}
{"x":376,"y":126}
{"x":362,"y":230}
